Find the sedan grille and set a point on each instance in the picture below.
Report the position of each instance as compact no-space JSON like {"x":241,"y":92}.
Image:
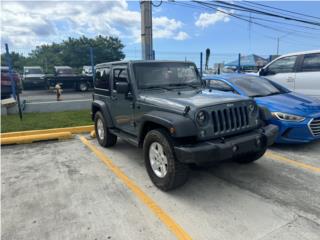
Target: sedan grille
{"x":315,"y":126}
{"x":230,"y":119}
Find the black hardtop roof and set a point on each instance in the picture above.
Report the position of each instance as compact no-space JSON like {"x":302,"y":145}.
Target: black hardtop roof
{"x":138,"y":61}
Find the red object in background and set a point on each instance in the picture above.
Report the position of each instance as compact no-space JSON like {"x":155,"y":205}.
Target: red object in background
{"x":6,"y":89}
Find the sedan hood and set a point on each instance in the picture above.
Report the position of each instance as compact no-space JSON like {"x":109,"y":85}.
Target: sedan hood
{"x":34,"y":75}
{"x":196,"y":99}
{"x":291,"y":102}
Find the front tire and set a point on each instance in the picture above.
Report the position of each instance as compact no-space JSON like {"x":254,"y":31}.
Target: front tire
{"x":164,"y":170}
{"x":250,"y":157}
{"x":104,"y":137}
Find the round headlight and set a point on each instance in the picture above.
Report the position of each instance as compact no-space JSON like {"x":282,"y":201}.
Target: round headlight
{"x":252,"y":108}
{"x":202,"y":118}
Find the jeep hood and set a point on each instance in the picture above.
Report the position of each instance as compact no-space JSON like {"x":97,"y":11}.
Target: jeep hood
{"x":174,"y":100}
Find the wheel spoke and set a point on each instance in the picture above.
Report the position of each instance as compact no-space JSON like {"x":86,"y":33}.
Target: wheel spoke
{"x":158,"y":159}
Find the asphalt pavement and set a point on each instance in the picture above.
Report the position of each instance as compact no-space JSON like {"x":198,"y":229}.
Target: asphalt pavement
{"x":77,"y":190}
{"x":50,"y":95}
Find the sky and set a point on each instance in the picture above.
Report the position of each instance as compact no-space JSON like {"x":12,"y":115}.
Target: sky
{"x":179,"y":32}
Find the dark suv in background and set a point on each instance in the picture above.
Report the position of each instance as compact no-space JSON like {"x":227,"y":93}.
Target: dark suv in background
{"x":161,"y":107}
{"x":6,"y":86}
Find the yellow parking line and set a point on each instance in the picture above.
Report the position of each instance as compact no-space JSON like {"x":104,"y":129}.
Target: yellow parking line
{"x":175,"y":228}
{"x":278,"y":157}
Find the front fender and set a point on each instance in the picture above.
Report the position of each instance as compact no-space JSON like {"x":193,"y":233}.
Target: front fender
{"x":184,"y":126}
{"x":98,"y":105}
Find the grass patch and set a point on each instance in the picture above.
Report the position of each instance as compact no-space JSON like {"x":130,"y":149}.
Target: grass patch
{"x":38,"y":121}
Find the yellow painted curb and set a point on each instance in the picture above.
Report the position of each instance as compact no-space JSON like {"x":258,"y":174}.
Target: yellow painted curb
{"x":74,"y":130}
{"x":35,"y":138}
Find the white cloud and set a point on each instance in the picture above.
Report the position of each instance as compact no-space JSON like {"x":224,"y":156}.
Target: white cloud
{"x":207,"y":19}
{"x":182,"y":36}
{"x":26,"y":24}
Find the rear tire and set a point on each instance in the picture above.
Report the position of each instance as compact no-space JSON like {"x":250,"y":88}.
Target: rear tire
{"x":159,"y":155}
{"x":104,"y":137}
{"x":250,"y":157}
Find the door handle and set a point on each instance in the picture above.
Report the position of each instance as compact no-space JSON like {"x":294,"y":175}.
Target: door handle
{"x":290,"y":79}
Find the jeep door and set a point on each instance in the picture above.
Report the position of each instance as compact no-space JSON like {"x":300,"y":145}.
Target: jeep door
{"x":282,"y":71}
{"x":102,"y":87}
{"x":121,"y":103}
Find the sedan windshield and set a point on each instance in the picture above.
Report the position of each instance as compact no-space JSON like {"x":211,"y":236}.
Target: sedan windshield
{"x":166,"y":75}
{"x":254,"y":86}
{"x":64,"y":71}
{"x":33,"y":71}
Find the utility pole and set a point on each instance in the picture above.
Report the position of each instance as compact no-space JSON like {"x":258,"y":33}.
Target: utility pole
{"x":278,"y":42}
{"x":146,"y":30}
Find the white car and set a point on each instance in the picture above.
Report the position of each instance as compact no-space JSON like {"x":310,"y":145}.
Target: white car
{"x":299,"y":72}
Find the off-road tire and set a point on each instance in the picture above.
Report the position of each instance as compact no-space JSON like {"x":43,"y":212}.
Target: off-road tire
{"x":109,"y":139}
{"x":250,"y":157}
{"x":177,"y":172}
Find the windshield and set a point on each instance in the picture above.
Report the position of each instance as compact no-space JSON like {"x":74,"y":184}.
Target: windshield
{"x":64,"y":71}
{"x":164,"y":75}
{"x":33,"y":71}
{"x":254,"y":86}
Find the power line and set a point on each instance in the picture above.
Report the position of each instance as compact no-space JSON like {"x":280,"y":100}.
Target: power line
{"x":244,"y":19}
{"x":301,"y":14}
{"x":246,"y":9}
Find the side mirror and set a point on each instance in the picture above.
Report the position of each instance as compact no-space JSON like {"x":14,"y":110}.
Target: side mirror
{"x":262,"y":72}
{"x":122,"y":87}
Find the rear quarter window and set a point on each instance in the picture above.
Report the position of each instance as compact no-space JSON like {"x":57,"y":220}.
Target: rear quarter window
{"x":311,"y":63}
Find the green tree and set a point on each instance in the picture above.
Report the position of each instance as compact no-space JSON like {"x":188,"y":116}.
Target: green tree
{"x":17,"y":60}
{"x":73,"y":52}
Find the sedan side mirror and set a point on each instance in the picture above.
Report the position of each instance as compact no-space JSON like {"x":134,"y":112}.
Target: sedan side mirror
{"x":122,"y":87}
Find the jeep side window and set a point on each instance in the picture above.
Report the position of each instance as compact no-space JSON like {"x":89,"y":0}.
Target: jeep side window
{"x":102,"y":78}
{"x":311,"y":63}
{"x":119,"y":75}
{"x":283,"y":65}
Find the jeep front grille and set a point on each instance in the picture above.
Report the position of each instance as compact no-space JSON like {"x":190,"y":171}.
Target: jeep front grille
{"x":230,"y":119}
{"x":315,"y":126}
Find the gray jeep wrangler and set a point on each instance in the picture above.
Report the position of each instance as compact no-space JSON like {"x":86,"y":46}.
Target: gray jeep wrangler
{"x":161,"y":106}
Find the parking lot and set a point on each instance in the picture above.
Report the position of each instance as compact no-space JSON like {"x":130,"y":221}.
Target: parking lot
{"x":74,"y":189}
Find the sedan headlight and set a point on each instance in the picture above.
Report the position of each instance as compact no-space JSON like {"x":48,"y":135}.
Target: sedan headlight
{"x":287,"y":117}
{"x":202,"y":118}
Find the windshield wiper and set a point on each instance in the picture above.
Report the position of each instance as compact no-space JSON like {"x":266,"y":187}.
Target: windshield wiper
{"x":265,"y":95}
{"x":183,"y":85}
{"x":155,"y":87}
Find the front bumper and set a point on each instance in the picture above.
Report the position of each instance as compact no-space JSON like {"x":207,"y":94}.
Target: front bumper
{"x":294,"y":132}
{"x":228,"y":148}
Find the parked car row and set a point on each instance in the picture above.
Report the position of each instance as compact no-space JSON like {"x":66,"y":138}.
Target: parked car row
{"x":179,"y":118}
{"x":33,"y":77}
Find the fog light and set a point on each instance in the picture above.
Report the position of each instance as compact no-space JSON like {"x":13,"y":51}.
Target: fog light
{"x":235,"y":148}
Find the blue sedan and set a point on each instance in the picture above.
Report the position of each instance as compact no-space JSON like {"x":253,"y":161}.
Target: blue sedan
{"x":297,"y":116}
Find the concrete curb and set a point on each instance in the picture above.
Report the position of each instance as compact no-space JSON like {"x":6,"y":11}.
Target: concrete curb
{"x":35,"y":138}
{"x":74,"y":130}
